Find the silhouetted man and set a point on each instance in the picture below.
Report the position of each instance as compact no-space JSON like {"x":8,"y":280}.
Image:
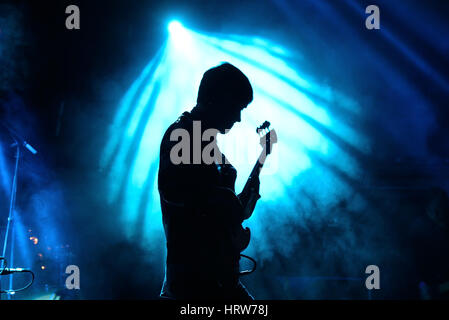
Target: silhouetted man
{"x":199,"y":207}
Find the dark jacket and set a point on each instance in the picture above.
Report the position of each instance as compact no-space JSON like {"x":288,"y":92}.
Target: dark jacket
{"x":200,"y":255}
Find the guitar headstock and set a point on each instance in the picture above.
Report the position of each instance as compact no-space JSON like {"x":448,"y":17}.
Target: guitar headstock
{"x":268,"y":136}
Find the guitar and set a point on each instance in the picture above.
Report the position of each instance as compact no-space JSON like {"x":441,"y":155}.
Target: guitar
{"x":242,"y":236}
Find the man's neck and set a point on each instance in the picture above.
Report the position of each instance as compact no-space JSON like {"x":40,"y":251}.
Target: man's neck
{"x":199,"y":114}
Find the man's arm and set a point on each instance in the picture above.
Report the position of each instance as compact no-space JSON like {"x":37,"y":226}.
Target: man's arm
{"x":249,"y":197}
{"x":185,"y":187}
{"x":194,"y":186}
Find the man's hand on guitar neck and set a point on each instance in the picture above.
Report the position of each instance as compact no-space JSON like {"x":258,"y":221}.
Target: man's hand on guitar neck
{"x":249,"y":196}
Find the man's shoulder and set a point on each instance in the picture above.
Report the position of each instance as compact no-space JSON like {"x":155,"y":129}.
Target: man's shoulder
{"x":184,"y":121}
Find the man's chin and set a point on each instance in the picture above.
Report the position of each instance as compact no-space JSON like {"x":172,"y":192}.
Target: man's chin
{"x":225,"y":130}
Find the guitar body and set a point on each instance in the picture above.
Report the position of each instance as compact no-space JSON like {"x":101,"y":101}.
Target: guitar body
{"x":241,"y":237}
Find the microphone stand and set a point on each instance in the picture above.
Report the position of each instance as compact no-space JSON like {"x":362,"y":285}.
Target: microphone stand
{"x":10,"y":223}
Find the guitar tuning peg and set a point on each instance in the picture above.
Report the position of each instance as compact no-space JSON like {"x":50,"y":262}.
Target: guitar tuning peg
{"x":264,"y":128}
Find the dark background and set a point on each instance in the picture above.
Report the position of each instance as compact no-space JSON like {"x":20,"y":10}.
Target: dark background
{"x":60,"y":89}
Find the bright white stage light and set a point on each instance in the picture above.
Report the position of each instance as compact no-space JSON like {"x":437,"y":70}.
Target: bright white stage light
{"x":175,"y":27}
{"x":180,"y":37}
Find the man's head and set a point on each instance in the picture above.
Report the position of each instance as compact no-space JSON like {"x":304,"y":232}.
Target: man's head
{"x":224,"y":91}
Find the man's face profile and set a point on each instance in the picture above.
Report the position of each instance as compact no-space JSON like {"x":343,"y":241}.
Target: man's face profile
{"x":223,"y":93}
{"x":228,"y":117}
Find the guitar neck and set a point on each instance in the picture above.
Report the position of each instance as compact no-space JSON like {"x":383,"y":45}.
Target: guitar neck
{"x":266,"y":142}
{"x":257,"y":168}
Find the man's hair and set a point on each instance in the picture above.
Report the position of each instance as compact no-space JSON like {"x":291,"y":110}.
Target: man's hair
{"x":224,"y":83}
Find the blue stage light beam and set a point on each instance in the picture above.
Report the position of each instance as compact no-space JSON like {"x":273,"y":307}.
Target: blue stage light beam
{"x":296,"y":106}
{"x":5,"y":176}
{"x":408,"y":53}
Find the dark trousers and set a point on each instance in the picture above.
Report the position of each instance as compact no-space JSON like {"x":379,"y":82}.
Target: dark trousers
{"x":201,"y":289}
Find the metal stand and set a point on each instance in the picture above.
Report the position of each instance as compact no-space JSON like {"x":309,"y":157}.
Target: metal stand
{"x":18,"y":142}
{"x":10,"y":223}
